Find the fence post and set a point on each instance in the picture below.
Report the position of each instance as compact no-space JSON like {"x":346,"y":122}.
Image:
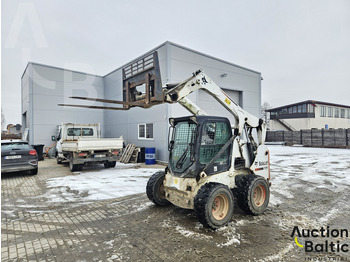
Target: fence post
{"x":322,"y":133}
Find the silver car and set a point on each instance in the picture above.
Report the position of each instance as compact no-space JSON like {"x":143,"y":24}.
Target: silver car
{"x":18,"y":156}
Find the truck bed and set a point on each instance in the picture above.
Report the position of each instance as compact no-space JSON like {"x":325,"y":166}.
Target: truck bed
{"x":95,"y":144}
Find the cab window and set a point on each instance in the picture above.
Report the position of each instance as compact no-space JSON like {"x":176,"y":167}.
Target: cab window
{"x":214,"y":137}
{"x":80,"y":132}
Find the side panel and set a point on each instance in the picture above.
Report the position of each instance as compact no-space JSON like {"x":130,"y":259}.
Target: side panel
{"x":53,"y":86}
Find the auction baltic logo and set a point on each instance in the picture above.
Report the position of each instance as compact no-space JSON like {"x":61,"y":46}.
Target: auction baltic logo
{"x":328,"y":240}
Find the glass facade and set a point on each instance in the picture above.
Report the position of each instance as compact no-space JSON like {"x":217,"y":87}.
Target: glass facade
{"x":307,"y":110}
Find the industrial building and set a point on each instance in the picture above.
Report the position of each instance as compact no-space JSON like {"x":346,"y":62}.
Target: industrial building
{"x":44,"y":87}
{"x":309,"y":114}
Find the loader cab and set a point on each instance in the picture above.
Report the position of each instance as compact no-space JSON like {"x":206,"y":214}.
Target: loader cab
{"x":194,"y":141}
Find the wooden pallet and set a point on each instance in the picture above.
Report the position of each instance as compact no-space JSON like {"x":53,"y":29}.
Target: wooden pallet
{"x":130,"y":154}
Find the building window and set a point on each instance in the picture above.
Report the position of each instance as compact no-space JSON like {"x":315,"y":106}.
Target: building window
{"x":336,"y":112}
{"x":299,"y":108}
{"x":323,"y":111}
{"x":311,"y":108}
{"x":330,"y":111}
{"x":342,"y":113}
{"x":295,"y":108}
{"x":304,"y":108}
{"x":348,"y":116}
{"x":290,"y":110}
{"x":145,"y":131}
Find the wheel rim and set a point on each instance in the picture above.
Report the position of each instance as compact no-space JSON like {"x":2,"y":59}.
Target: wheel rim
{"x":259,"y":195}
{"x":220,"y":207}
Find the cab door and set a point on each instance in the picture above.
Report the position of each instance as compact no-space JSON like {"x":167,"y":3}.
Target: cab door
{"x":214,"y":136}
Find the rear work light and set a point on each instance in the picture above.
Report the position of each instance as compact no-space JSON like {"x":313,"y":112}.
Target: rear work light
{"x":32,"y":152}
{"x":82,"y":154}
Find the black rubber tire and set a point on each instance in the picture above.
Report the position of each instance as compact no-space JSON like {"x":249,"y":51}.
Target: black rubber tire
{"x":80,"y":167}
{"x":112,"y":163}
{"x":246,"y":186}
{"x":155,"y":191}
{"x":75,"y":167}
{"x":204,"y":202}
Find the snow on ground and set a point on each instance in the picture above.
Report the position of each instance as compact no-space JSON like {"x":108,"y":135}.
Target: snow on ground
{"x":102,"y":184}
{"x":316,"y":167}
{"x":312,"y":167}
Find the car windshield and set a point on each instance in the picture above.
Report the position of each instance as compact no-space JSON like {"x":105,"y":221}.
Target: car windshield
{"x":15,"y":146}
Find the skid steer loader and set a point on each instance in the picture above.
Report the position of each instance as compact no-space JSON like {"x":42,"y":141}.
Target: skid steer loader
{"x":210,"y":161}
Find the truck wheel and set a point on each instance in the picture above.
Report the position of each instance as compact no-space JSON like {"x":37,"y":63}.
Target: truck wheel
{"x":155,"y":189}
{"x":112,"y":163}
{"x":253,"y":194}
{"x":59,"y":160}
{"x":214,"y":205}
{"x":74,"y":168}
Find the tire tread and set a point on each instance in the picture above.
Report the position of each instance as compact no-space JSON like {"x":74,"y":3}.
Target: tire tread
{"x":201,"y":207}
{"x":151,"y":188}
{"x":243,"y":194}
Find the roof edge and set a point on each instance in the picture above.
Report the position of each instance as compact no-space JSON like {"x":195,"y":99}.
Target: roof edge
{"x":59,"y":68}
{"x":212,"y":57}
{"x":146,"y":53}
{"x":186,"y":48}
{"x":308,"y":102}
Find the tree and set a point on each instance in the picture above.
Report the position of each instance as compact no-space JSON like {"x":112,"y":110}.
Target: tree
{"x":3,"y":120}
{"x":264,"y":114}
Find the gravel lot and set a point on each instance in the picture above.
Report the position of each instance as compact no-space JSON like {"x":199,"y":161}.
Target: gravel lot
{"x":104,"y":215}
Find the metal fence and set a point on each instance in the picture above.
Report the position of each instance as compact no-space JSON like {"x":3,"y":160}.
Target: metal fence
{"x":339,"y":138}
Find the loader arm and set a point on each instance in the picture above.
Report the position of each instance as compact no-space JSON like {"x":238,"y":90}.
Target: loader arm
{"x":200,"y":80}
{"x":178,"y":94}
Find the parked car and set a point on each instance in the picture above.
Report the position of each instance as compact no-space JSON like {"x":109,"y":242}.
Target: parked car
{"x":18,"y":156}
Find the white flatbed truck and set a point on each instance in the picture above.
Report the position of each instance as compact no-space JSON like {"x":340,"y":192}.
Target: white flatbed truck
{"x":82,"y":143}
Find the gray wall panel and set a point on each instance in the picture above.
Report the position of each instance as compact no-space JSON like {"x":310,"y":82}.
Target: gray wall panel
{"x":52,"y":86}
